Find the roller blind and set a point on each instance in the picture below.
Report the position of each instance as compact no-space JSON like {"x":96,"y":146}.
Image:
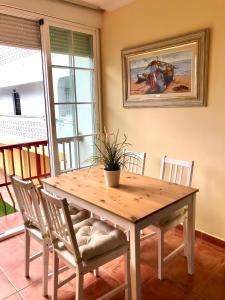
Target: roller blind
{"x":19,"y":32}
{"x":71,"y":43}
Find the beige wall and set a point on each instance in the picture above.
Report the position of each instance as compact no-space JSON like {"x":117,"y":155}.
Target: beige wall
{"x":58,"y":9}
{"x":185,"y":133}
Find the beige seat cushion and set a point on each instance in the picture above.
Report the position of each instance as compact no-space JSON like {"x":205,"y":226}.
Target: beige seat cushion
{"x":95,"y":237}
{"x":172,"y":218}
{"x":78,"y":215}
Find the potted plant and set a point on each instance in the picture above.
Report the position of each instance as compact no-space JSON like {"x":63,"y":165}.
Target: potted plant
{"x":110,"y":155}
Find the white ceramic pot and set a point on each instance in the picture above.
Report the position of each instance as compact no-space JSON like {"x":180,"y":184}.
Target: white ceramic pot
{"x":112,"y":178}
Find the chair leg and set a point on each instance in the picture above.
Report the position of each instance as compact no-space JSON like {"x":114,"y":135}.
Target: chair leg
{"x":55,"y":275}
{"x":96,"y":272}
{"x":79,"y":285}
{"x":27,"y":253}
{"x":185,"y":236}
{"x":160,"y":255}
{"x":45,"y":270}
{"x":127,"y":275}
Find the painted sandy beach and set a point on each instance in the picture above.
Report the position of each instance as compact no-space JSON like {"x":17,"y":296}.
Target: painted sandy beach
{"x":165,"y":74}
{"x":174,"y":87}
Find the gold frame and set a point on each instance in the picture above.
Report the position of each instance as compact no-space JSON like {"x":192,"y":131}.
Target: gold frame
{"x":198,"y":41}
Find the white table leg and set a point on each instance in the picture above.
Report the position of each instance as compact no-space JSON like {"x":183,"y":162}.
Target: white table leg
{"x":135,"y":267}
{"x":191,"y":235}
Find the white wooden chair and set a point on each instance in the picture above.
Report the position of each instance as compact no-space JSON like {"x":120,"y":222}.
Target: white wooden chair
{"x":180,"y":172}
{"x":134,"y":162}
{"x":36,"y":226}
{"x":84,"y":246}
{"x":28,"y":203}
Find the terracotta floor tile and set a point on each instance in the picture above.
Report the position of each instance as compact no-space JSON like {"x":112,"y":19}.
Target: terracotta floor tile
{"x":15,"y":296}
{"x":115,"y":268}
{"x":93,"y":288}
{"x":10,"y":221}
{"x":167,"y":290}
{"x":15,"y":258}
{"x":16,"y":275}
{"x":35,"y":245}
{"x":173,"y":238}
{"x":208,"y":255}
{"x":6,"y":288}
{"x":33,"y":291}
{"x":214,"y":287}
{"x":12,"y":251}
{"x":176,"y":272}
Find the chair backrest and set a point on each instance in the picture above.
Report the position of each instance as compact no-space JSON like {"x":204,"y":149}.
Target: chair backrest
{"x":134,"y":162}
{"x":178,"y":171}
{"x":29,"y":204}
{"x":59,"y":222}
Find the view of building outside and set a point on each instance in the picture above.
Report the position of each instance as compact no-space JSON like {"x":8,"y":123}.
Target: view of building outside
{"x":22,"y":104}
{"x":22,"y":101}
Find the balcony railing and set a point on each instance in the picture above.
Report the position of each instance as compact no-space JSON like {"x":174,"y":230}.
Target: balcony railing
{"x":31,"y":128}
{"x":27,"y":160}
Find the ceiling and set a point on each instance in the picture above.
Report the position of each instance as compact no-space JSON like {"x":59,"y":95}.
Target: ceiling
{"x":107,"y":5}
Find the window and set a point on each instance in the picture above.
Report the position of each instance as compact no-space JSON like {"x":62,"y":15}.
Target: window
{"x":73,"y":76}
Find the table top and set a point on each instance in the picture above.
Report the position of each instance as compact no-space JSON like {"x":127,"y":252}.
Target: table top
{"x":136,"y":197}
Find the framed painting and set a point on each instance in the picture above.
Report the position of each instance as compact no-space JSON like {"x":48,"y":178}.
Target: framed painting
{"x":171,"y":72}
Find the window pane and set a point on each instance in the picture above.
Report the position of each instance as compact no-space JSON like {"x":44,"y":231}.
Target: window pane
{"x":84,"y":86}
{"x":86,"y":149}
{"x":65,"y":120}
{"x":83,"y":62}
{"x":85,"y":115}
{"x":63,"y":85}
{"x":61,"y":59}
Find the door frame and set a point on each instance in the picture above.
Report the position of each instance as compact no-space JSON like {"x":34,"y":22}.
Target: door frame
{"x":47,"y":69}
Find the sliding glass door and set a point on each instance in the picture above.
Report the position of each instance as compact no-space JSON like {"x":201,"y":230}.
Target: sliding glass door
{"x":73,"y":101}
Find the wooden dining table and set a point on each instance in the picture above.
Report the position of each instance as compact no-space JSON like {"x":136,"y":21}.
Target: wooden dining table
{"x":135,"y":204}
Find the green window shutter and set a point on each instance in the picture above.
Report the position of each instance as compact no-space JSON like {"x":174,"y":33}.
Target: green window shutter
{"x":70,"y":43}
{"x":61,"y":41}
{"x":82,"y":44}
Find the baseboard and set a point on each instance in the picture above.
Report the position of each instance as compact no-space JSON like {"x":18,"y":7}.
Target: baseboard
{"x":207,"y":237}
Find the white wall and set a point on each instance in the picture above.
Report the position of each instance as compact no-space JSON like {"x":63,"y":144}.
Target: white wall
{"x":31,"y":99}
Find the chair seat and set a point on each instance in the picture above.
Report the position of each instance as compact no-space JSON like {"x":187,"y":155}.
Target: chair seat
{"x":78,"y":215}
{"x":171,"y":219}
{"x":95,"y":238}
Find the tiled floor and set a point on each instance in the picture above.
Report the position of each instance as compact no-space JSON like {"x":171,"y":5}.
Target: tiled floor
{"x":208,"y":283}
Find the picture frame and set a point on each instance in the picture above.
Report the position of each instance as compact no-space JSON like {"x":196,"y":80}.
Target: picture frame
{"x":167,"y":73}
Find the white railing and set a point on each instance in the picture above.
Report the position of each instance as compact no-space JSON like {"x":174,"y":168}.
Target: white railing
{"x":22,"y":128}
